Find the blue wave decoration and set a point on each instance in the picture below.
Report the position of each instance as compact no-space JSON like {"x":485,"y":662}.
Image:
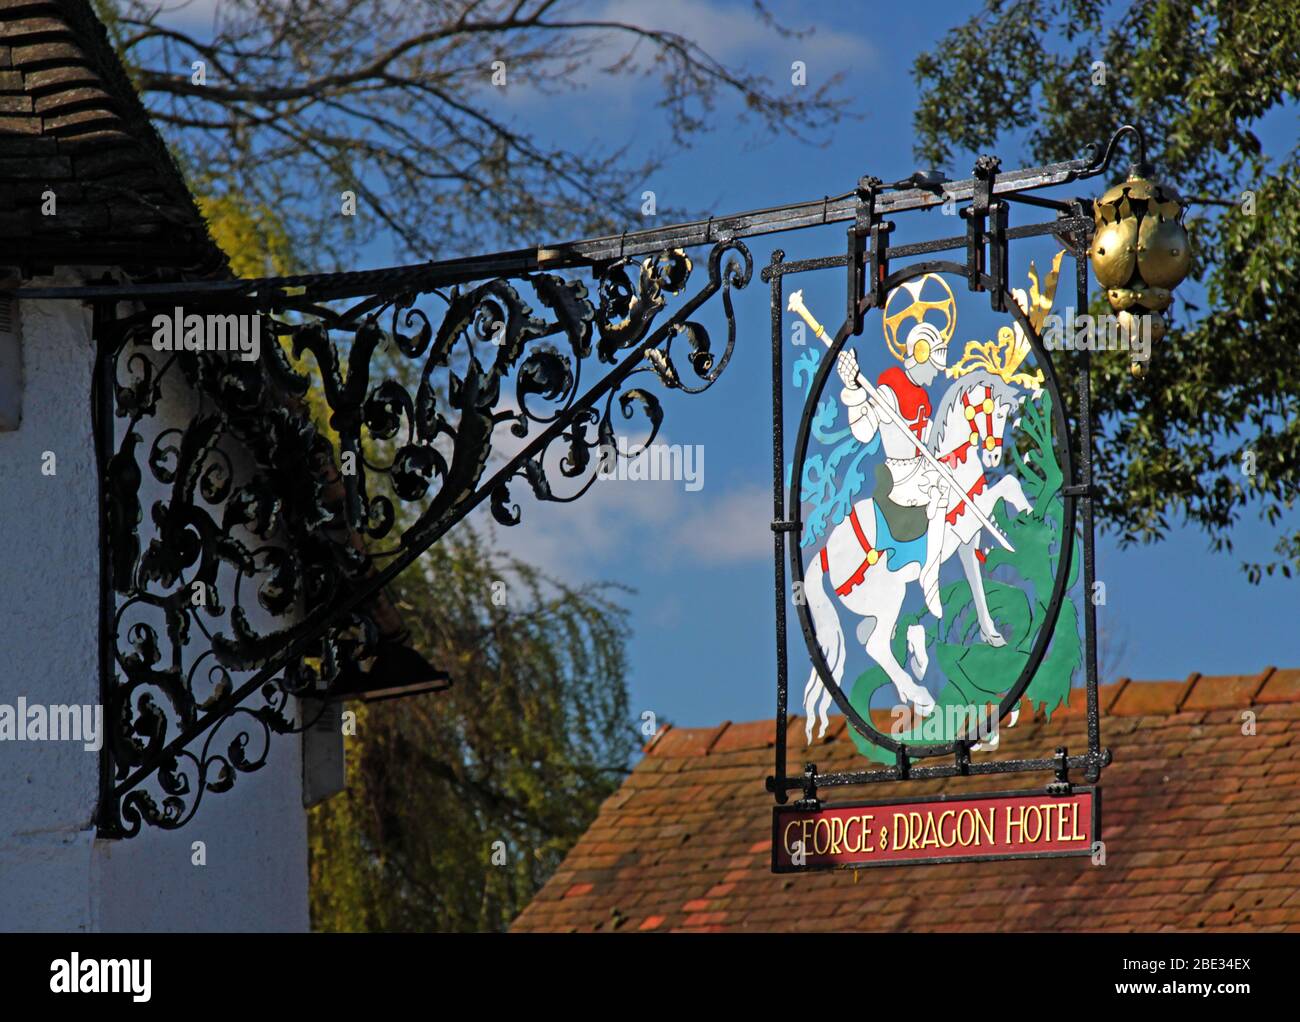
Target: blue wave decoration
{"x":831,"y":480}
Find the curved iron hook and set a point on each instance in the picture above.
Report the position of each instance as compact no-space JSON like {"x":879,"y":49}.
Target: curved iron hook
{"x":1108,"y":153}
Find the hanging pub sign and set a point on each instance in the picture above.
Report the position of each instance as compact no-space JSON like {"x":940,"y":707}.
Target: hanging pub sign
{"x":935,"y":542}
{"x":933,"y":516}
{"x":1012,"y":825}
{"x":926,"y":455}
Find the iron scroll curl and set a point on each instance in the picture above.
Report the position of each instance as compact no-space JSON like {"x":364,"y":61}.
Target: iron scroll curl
{"x":1069,"y":495}
{"x":248,"y":564}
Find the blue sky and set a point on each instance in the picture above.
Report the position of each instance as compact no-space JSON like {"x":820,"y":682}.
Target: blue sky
{"x":703,"y":647}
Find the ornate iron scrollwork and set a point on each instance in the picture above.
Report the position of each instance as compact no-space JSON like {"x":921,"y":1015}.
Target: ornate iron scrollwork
{"x":315,"y":518}
{"x":247,"y":547}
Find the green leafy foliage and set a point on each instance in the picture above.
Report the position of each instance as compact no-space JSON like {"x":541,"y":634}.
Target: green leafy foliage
{"x":1213,"y":433}
{"x":514,"y":759}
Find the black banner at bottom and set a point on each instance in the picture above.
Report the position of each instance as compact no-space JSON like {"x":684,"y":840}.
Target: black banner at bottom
{"x":238,"y":972}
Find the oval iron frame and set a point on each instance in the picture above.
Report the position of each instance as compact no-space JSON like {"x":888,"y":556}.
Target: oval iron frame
{"x":1064,"y":445}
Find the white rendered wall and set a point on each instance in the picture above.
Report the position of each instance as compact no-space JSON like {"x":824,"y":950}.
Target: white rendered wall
{"x":54,"y":874}
{"x":255,"y":844}
{"x":49,"y":623}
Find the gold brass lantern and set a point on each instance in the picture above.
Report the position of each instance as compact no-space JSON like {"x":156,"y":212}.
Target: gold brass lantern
{"x":1140,"y":254}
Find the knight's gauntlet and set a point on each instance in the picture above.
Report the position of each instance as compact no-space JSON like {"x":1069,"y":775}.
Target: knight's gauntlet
{"x":862,"y":419}
{"x":847,"y":366}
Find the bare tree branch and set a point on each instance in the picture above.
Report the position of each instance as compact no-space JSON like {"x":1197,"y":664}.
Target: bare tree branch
{"x":395,"y":102}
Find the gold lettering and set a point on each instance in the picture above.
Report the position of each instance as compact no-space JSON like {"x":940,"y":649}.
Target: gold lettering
{"x":1020,"y":823}
{"x":1037,"y":813}
{"x":900,"y":821}
{"x":914,"y":830}
{"x":817,"y":835}
{"x":789,"y":847}
{"x":1074,"y":813}
{"x":930,"y":835}
{"x":986,"y":826}
{"x":966,"y":828}
{"x":952,"y":838}
{"x":850,"y":845}
{"x":837,"y":833}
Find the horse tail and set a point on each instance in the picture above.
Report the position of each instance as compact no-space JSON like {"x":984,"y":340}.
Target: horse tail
{"x":826,"y":625}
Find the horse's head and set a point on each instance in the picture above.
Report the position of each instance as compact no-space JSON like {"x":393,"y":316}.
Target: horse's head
{"x":988,"y":406}
{"x":976,"y":411}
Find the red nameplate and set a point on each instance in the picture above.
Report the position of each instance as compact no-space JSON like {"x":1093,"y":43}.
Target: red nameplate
{"x":1006,"y":825}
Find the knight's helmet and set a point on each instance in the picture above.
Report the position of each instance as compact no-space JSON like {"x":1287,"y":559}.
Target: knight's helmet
{"x":924,"y":300}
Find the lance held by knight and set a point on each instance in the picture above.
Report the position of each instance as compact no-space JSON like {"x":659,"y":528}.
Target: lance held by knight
{"x":908,"y":480}
{"x":913,"y":486}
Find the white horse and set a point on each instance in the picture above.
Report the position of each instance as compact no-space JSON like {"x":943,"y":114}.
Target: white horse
{"x":967,"y":436}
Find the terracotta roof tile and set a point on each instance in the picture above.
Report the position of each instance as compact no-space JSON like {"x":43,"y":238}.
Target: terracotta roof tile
{"x":1201,"y":824}
{"x":1151,"y":697}
{"x":755,"y":735}
{"x":1225,"y":691}
{"x":680,"y":742}
{"x":1283,"y":686}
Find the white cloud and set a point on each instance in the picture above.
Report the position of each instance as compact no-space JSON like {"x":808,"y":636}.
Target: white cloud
{"x":731,"y":33}
{"x":732,"y":527}
{"x":195,"y":17}
{"x":622,"y":528}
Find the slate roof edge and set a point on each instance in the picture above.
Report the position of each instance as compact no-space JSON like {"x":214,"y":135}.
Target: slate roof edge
{"x":139,"y":123}
{"x":101,"y":58}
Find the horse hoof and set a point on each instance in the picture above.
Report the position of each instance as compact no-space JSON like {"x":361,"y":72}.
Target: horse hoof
{"x":924,"y":705}
{"x":995,"y":639}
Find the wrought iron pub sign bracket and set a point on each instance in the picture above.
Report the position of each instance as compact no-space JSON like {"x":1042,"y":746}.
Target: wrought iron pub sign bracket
{"x":254,"y":508}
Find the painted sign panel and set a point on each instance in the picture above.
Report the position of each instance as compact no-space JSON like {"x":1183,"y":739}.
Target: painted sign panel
{"x":1006,"y":825}
{"x":935,"y":544}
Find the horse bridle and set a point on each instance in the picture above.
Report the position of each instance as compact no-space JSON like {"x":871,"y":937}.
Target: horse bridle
{"x":986,"y":441}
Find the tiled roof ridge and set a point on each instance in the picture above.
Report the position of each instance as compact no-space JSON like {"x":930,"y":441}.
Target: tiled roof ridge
{"x":1126,"y":697}
{"x":83,"y":107}
{"x":1199,"y":826}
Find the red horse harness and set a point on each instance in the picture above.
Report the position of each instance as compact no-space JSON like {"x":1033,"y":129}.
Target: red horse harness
{"x":871,"y":557}
{"x":984,"y":407}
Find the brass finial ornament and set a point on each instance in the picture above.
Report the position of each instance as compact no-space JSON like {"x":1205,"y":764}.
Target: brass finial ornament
{"x":1140,"y":253}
